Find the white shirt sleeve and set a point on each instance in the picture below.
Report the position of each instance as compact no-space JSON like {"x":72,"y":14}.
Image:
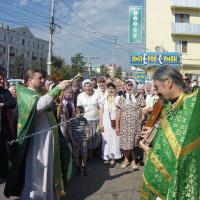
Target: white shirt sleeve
{"x":44,"y":102}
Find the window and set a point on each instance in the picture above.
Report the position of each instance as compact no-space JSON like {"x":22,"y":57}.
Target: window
{"x":28,"y":54}
{"x":4,"y":38}
{"x":33,"y":44}
{"x":182,"y":18}
{"x":38,"y":45}
{"x":181,"y":46}
{"x":28,"y":43}
{"x":23,"y":41}
{"x":4,"y":49}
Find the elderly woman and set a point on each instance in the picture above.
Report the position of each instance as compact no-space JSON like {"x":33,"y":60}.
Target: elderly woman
{"x":128,"y":122}
{"x":149,"y":88}
{"x":89,"y":100}
{"x":110,"y":140}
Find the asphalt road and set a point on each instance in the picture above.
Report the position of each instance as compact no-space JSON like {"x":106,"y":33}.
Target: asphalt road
{"x":102,"y":182}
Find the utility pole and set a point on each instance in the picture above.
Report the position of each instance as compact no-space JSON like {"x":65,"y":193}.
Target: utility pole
{"x":8,"y":61}
{"x":52,"y":29}
{"x":114,"y":39}
{"x":113,"y":54}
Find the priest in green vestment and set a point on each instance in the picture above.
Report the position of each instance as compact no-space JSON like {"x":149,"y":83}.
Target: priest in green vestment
{"x":41,"y":164}
{"x":172,"y":169}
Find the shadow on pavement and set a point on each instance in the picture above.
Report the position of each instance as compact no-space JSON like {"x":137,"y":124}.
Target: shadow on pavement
{"x":79,"y":188}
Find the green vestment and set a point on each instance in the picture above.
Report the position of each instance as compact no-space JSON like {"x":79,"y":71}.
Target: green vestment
{"x":172,"y":169}
{"x":27,"y":101}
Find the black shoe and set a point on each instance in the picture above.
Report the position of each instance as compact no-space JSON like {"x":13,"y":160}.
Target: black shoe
{"x":141,"y":163}
{"x":78,"y":171}
{"x":84,"y":171}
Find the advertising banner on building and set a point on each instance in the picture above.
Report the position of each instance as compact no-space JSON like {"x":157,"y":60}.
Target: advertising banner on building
{"x":135,"y":24}
{"x":155,"y":59}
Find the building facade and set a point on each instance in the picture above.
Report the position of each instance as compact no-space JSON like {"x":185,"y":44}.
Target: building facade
{"x":174,"y":26}
{"x":20,"y":42}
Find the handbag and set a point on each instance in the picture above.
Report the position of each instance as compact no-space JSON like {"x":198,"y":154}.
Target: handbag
{"x":113,"y":122}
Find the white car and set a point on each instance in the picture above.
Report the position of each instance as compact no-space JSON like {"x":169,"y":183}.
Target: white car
{"x":14,"y":81}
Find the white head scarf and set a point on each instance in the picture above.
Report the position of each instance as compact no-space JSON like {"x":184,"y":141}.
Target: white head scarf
{"x":134,"y":85}
{"x":86,"y":81}
{"x":152,"y":87}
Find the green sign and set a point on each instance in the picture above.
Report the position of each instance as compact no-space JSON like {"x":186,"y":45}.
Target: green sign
{"x":135,"y":24}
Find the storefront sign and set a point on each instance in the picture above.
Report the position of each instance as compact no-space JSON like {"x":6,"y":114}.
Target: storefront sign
{"x":135,"y":24}
{"x":155,"y":59}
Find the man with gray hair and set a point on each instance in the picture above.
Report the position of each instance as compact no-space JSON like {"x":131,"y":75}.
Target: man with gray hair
{"x":172,"y":168}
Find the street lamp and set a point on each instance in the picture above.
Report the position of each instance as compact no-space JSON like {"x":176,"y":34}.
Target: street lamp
{"x":114,"y":39}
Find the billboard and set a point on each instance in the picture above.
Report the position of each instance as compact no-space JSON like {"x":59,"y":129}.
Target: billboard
{"x":135,"y":24}
{"x":155,"y":59}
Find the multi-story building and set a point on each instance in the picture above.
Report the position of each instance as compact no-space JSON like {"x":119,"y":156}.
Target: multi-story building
{"x":20,"y":42}
{"x":174,"y":26}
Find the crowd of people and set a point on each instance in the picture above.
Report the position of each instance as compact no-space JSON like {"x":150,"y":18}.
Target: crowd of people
{"x":43,"y":121}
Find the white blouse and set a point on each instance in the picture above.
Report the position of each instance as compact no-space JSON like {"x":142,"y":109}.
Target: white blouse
{"x":90,"y":104}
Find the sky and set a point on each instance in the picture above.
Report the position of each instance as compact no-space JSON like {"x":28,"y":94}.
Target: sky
{"x":82,"y":26}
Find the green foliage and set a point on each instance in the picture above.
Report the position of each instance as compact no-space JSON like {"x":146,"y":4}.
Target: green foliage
{"x":118,"y":72}
{"x":67,"y":71}
{"x":19,"y":67}
{"x":77,"y":62}
{"x":104,"y":70}
{"x":58,"y":62}
{"x":39,"y":64}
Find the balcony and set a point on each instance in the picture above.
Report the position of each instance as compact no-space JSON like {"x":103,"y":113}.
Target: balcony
{"x":191,"y":4}
{"x":185,"y":29}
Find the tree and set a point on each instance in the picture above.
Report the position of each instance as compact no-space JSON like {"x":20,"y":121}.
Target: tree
{"x":39,"y":64}
{"x":77,"y":62}
{"x":118,"y":72}
{"x":58,"y":62}
{"x":104,"y":70}
{"x":19,"y":67}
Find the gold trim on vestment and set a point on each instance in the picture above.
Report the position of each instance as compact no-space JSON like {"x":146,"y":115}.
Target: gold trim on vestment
{"x":182,"y":97}
{"x":188,"y":148}
{"x":145,"y":195}
{"x":170,"y":135}
{"x":159,"y":166}
{"x":151,"y":188}
{"x":31,"y":101}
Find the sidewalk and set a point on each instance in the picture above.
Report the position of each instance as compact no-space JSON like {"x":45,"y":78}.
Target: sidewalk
{"x":105,"y":183}
{"x":102,"y":183}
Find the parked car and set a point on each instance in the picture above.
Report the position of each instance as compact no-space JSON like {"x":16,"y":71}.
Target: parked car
{"x":14,"y":81}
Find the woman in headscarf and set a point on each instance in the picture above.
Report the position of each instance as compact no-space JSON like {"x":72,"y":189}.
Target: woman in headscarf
{"x":128,"y":122}
{"x":89,"y":100}
{"x":110,"y":140}
{"x":149,"y":88}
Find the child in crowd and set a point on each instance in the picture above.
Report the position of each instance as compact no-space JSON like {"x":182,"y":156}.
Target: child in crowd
{"x":79,"y":132}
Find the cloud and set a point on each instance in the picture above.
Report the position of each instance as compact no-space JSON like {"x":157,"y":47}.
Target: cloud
{"x":89,"y":16}
{"x":23,"y":2}
{"x":109,"y":18}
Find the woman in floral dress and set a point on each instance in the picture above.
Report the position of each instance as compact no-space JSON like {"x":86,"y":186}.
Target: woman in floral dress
{"x":128,"y":122}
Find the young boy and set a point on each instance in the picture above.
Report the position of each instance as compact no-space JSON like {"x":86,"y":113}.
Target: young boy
{"x":79,"y":131}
